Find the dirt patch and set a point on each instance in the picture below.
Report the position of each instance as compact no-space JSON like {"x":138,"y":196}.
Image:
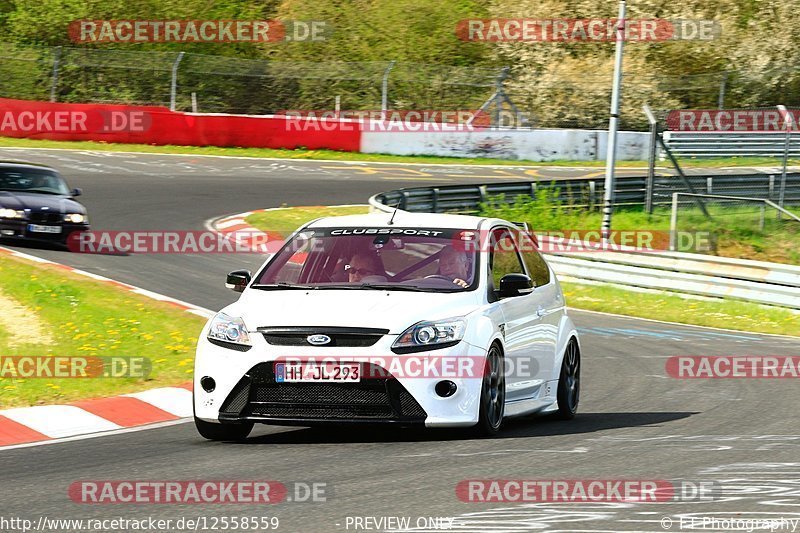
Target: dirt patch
{"x":22,"y":324}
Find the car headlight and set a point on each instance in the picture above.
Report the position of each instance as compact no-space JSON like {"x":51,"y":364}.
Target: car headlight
{"x":430,"y":334}
{"x":11,"y":213}
{"x":229,"y":330}
{"x":75,"y":218}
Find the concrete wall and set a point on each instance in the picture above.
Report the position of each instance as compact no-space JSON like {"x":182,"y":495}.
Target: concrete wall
{"x":535,"y":145}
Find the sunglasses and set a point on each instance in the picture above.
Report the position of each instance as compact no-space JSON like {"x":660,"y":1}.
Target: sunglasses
{"x":359,"y":271}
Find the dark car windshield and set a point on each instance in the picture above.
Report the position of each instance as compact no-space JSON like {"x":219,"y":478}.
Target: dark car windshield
{"x":410,"y":259}
{"x":32,"y":180}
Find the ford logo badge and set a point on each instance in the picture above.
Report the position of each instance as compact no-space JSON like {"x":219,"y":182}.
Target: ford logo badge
{"x":318,"y":340}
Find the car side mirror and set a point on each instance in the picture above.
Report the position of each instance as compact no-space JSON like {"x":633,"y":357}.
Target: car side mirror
{"x":238,"y":280}
{"x":76,"y":192}
{"x":515,"y":285}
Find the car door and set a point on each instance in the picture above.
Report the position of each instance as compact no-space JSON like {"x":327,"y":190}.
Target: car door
{"x":525,"y":340}
{"x":549,"y":303}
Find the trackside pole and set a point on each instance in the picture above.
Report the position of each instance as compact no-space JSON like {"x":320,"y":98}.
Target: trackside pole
{"x":613,"y":125}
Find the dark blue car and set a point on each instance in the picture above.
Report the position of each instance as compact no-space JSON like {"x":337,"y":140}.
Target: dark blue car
{"x":37,"y":204}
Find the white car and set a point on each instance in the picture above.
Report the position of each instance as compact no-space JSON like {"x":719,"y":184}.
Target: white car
{"x":410,"y":319}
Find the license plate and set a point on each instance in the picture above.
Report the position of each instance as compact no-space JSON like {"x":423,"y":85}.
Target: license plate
{"x":317,"y":372}
{"x":35,"y":228}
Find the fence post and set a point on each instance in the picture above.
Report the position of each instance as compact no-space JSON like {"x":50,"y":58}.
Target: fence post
{"x":722,"y":86}
{"x":174,"y":85}
{"x":56,"y":65}
{"x":651,"y":160}
{"x":499,"y":95}
{"x":788,"y":124}
{"x":385,"y":90}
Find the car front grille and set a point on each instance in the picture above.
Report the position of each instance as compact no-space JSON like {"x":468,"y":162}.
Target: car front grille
{"x":340,"y":337}
{"x":258,"y":395}
{"x":39,"y":217}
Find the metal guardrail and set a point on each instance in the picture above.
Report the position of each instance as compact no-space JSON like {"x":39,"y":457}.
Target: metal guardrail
{"x":695,"y":274}
{"x":718,"y":280}
{"x":693,"y":144}
{"x":630,"y":190}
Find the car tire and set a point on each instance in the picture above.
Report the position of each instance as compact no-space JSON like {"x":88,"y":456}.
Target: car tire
{"x":569,"y":382}
{"x":223,"y":432}
{"x":493,"y":395}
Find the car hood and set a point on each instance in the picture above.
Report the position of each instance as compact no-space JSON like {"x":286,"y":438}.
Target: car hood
{"x":392,"y":310}
{"x":35,"y":202}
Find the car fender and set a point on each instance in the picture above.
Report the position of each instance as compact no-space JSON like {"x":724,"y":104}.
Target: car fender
{"x":483,"y":330}
{"x":567,"y":330}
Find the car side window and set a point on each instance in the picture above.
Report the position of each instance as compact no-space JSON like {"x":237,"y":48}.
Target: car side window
{"x":505,"y":258}
{"x":537,"y":267}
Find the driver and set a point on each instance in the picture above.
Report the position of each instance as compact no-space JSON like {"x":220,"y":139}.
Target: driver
{"x":362,"y":265}
{"x":454,"y":264}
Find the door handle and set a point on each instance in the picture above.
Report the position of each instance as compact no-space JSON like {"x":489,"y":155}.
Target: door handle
{"x":540,"y":312}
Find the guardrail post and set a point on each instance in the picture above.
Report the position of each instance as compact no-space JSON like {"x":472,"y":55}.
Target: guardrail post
{"x":673,"y":222}
{"x":651,"y":160}
{"x":788,"y":123}
{"x":56,"y":65}
{"x":173,"y":89}
{"x":435,"y":199}
{"x":592,"y":192}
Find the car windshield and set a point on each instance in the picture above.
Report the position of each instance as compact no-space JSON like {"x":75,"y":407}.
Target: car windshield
{"x":32,"y":180}
{"x":411,"y":259}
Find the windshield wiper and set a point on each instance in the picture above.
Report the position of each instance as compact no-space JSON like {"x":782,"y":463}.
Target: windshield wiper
{"x":43,"y":191}
{"x":394,"y":287}
{"x":280,"y":286}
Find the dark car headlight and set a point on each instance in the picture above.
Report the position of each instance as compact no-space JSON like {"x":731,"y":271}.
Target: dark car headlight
{"x":11,"y":213}
{"x":76,"y":218}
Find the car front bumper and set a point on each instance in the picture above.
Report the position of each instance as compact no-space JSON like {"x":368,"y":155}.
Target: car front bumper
{"x":246,"y":388}
{"x":19,"y":230}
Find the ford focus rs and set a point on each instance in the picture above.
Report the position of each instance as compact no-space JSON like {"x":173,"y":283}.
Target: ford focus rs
{"x":36,"y":204}
{"x":408,"y":319}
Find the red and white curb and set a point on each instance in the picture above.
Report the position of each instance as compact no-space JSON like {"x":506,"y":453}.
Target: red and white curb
{"x":48,"y":422}
{"x":42,"y":423}
{"x":237,"y":228}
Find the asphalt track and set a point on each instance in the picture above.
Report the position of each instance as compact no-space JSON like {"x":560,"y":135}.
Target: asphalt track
{"x":635,"y":422}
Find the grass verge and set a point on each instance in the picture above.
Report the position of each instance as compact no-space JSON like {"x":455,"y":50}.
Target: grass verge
{"x":734,"y":230}
{"x":90,"y":318}
{"x":728,"y":314}
{"x":9,"y":142}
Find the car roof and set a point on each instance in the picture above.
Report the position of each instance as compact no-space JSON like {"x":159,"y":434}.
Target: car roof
{"x":402,"y":219}
{"x":24,"y":164}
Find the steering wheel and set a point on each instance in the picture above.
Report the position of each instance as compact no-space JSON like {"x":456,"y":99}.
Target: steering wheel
{"x":438,"y":276}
